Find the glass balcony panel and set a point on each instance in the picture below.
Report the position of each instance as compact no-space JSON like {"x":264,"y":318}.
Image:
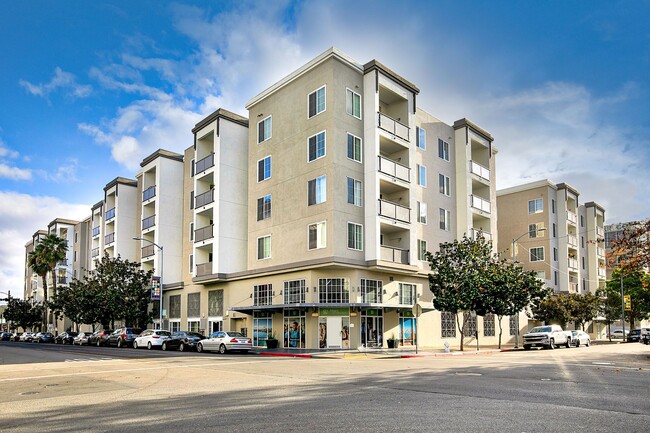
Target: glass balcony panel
{"x":393,"y":126}
{"x":480,"y":203}
{"x":149,"y":222}
{"x":204,"y":269}
{"x":395,"y":211}
{"x":203,"y":233}
{"x":479,"y":170}
{"x":204,"y":199}
{"x":149,"y":193}
{"x":110,"y":214}
{"x":109,"y":238}
{"x":204,"y":164}
{"x":395,"y":169}
{"x":148,"y":251}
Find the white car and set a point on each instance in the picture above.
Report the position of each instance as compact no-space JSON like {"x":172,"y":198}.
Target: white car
{"x":81,"y":338}
{"x":580,"y":338}
{"x":223,"y":341}
{"x":151,"y":338}
{"x":618,"y":333}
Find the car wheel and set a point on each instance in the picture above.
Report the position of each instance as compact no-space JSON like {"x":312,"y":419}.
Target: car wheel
{"x":119,"y":343}
{"x":164,"y":346}
{"x":199,"y":348}
{"x":181,"y":347}
{"x":568,"y":343}
{"x":526,"y":347}
{"x":135,"y":344}
{"x":578,"y":343}
{"x":588,"y":343}
{"x":149,"y":345}
{"x":222,"y":349}
{"x":551,"y":344}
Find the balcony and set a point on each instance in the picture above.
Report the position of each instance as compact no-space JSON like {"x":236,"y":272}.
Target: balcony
{"x":394,"y":211}
{"x":602,"y":273}
{"x":204,"y":269}
{"x":61,"y":280}
{"x":109,"y":238}
{"x":480,"y":203}
{"x":149,"y":222}
{"x":204,"y":164}
{"x":573,"y":218}
{"x":394,"y":169}
{"x":394,"y":255}
{"x":600,"y":232}
{"x":600,"y":252}
{"x":393,"y":126}
{"x":473,"y":234}
{"x":203,"y":233}
{"x":479,"y":170}
{"x":148,"y":251}
{"x":110,"y":214}
{"x":95,"y":231}
{"x":573,"y":264}
{"x":94,"y":252}
{"x":573,"y":287}
{"x":149,"y":193}
{"x":572,"y":240}
{"x":204,"y":199}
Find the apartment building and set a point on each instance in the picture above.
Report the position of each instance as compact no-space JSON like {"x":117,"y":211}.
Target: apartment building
{"x":120,"y":219}
{"x":553,"y":235}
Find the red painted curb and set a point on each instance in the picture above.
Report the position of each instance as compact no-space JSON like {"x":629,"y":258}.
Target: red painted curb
{"x":286,"y":355}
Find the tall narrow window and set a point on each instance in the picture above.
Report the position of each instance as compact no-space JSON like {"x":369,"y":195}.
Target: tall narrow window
{"x":445,"y":219}
{"x":354,"y":148}
{"x":443,"y":182}
{"x":443,"y":150}
{"x":422,"y":249}
{"x":264,"y":169}
{"x":317,"y":191}
{"x":317,"y":102}
{"x":316,"y":146}
{"x":355,"y":236}
{"x":422,"y":175}
{"x":264,"y":247}
{"x":354,"y":192}
{"x":264,"y":128}
{"x":317,"y":235}
{"x":264,"y":207}
{"x":353,"y":103}
{"x":422,"y":138}
{"x":422,"y":212}
{"x":537,"y":254}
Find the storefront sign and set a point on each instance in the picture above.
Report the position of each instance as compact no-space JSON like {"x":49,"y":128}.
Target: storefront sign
{"x":334,"y":311}
{"x":371,"y":312}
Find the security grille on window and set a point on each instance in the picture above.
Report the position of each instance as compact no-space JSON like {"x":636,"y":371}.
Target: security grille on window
{"x":535,"y":206}
{"x":317,"y":102}
{"x":514,"y":324}
{"x":407,"y":294}
{"x":175,"y":307}
{"x":317,"y":190}
{"x":264,"y":169}
{"x":354,"y":192}
{"x":333,"y":290}
{"x":316,"y":145}
{"x":193,"y":304}
{"x":488,"y":325}
{"x":294,"y":292}
{"x":353,"y":103}
{"x":215,"y":303}
{"x":443,"y":149}
{"x":354,"y":148}
{"x":264,"y":130}
{"x":263,"y":294}
{"x":537,"y":254}
{"x":470,"y":324}
{"x":371,"y":291}
{"x":447,"y":324}
{"x":264,"y":207}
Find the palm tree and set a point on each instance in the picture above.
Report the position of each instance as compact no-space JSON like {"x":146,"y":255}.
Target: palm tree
{"x":40,"y":268}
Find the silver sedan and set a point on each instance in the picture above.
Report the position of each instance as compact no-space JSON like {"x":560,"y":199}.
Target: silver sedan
{"x":579,"y":338}
{"x":224,"y":341}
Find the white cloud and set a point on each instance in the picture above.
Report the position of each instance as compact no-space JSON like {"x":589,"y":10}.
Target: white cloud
{"x":60,"y":80}
{"x":5,"y":152}
{"x":22,"y":215}
{"x":14,"y":173}
{"x":65,"y":173}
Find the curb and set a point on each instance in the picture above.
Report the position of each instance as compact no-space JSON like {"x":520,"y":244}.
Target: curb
{"x":440,"y":355}
{"x":286,"y":355}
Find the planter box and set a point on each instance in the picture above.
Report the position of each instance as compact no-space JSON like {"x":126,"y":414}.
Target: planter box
{"x":271,"y":344}
{"x":392,"y":344}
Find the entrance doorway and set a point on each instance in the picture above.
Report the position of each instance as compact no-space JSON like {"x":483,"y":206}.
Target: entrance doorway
{"x":215,"y":325}
{"x":372,"y":328}
{"x":294,"y":329}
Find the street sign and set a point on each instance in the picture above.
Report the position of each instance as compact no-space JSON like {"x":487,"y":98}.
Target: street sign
{"x":628,"y":303}
{"x":417,"y":310}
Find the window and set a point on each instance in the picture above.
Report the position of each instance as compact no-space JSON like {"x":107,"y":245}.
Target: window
{"x":264,"y":247}
{"x":316,"y":146}
{"x":422,"y":175}
{"x":534,"y":230}
{"x":422,"y":249}
{"x":353,"y":103}
{"x":555,"y":254}
{"x":191,"y":199}
{"x":193,"y":305}
{"x":537,"y":254}
{"x":317,"y":235}
{"x":334,"y":290}
{"x":316,"y":191}
{"x":191,"y":263}
{"x":264,"y":208}
{"x":264,"y":128}
{"x":175,"y":307}
{"x":371,"y":291}
{"x":264,"y":169}
{"x":354,"y":192}
{"x":553,"y":206}
{"x":407,"y":294}
{"x":76,"y":237}
{"x":443,"y":181}
{"x":445,"y":219}
{"x":263,"y":294}
{"x":582,"y":241}
{"x":421,"y":138}
{"x":443,"y":151}
{"x":355,"y":236}
{"x":422,"y":212}
{"x":514,"y":324}
{"x":354,"y":148}
{"x":174,"y":326}
{"x":556,"y":276}
{"x":215,"y":303}
{"x":535,"y":206}
{"x":447,"y":325}
{"x":541,"y":275}
{"x":582,"y":221}
{"x":470,"y":323}
{"x":488,"y":325}
{"x":583,"y":262}
{"x":554,"y":231}
{"x":294,"y":292}
{"x":193,"y":325}
{"x":316,"y":102}
{"x":74,"y":255}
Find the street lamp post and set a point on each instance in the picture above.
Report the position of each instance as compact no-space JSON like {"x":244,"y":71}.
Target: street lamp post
{"x":512,"y":255}
{"x":160,"y":301}
{"x":623,"y":309}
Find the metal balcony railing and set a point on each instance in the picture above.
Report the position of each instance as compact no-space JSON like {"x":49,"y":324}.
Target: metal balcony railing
{"x":473,"y":233}
{"x":94,"y":252}
{"x":395,"y":255}
{"x":110,"y":214}
{"x":600,"y":232}
{"x":149,"y":193}
{"x":600,"y":251}
{"x":148,"y":251}
{"x":395,"y":211}
{"x":480,"y":203}
{"x":572,"y":240}
{"x":109,"y":238}
{"x":96,"y":231}
{"x":602,"y":273}
{"x":573,"y":263}
{"x":203,"y":233}
{"x":395,"y":169}
{"x":204,"y":164}
{"x":204,"y":269}
{"x":61,"y":280}
{"x":203,"y":199}
{"x":572,"y":217}
{"x":148,"y":222}
{"x":479,"y":170}
{"x":393,"y":126}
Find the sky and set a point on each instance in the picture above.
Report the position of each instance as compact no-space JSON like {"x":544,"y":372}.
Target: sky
{"x":88,"y":89}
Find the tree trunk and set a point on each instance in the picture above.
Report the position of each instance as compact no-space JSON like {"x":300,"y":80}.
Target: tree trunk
{"x":500,"y":329}
{"x":45,"y":309}
{"x":462,"y":334}
{"x":54,"y":319}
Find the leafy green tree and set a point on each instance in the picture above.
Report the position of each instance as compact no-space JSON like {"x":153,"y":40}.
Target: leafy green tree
{"x":24,"y":312}
{"x":53,"y":252}
{"x":636,"y":284}
{"x":555,"y":308}
{"x":631,"y":250}
{"x":583,"y":308}
{"x":459,"y":273}
{"x":38,"y":264}
{"x":610,"y":306}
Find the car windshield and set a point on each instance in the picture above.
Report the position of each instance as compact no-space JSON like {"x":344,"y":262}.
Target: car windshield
{"x":540,"y":329}
{"x":195,"y":334}
{"x":164,"y":333}
{"x":235,"y":334}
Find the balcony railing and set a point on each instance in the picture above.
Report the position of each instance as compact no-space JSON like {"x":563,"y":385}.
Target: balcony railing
{"x":479,"y":170}
{"x":600,"y":232}
{"x":203,"y":199}
{"x":573,"y":263}
{"x":395,"y":255}
{"x":204,"y":269}
{"x":602,"y":273}
{"x":109,"y":238}
{"x":393,"y":126}
{"x":204,"y":164}
{"x":572,"y":240}
{"x":600,"y":252}
{"x":473,"y":233}
{"x":110,"y":214}
{"x":149,"y":222}
{"x":203,"y":233}
{"x":572,"y":217}
{"x":148,"y":251}
{"x":61,"y":280}
{"x":149,"y":193}
{"x":395,"y":211}
{"x":480,"y":203}
{"x":395,"y":169}
{"x":95,"y":231}
{"x":573,"y":287}
{"x":94,"y":252}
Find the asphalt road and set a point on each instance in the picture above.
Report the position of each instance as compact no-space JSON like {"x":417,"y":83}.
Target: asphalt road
{"x":597,"y":389}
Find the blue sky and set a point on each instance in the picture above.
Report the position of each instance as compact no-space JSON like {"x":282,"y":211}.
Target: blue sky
{"x":87,"y":89}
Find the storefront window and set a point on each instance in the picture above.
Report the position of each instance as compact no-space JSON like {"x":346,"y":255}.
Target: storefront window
{"x":262,"y":328}
{"x":407,"y":333}
{"x":294,"y":329}
{"x":372,"y":327}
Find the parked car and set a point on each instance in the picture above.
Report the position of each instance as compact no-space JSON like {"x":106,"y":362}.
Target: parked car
{"x":81,"y":338}
{"x":99,"y":337}
{"x":151,"y":338}
{"x":15,"y":336}
{"x":634,"y":335}
{"x":645,"y":335}
{"x":43,"y":337}
{"x":26,"y":336}
{"x":224,"y":341}
{"x":65,"y":337}
{"x":5,"y":336}
{"x":617,"y":333}
{"x":183,"y":341}
{"x":123,"y":337}
{"x":547,"y":337}
{"x":34,"y":337}
{"x":580,"y":338}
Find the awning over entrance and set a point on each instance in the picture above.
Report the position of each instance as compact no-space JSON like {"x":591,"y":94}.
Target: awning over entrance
{"x":278,"y":308}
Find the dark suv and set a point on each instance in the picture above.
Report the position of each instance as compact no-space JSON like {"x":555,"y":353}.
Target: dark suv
{"x":123,"y":337}
{"x":99,"y":337}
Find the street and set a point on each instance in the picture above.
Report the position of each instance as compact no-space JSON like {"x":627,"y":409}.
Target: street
{"x":601,"y":388}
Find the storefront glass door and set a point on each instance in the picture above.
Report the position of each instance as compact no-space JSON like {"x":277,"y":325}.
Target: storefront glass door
{"x":294,"y":329}
{"x":372,"y":328}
